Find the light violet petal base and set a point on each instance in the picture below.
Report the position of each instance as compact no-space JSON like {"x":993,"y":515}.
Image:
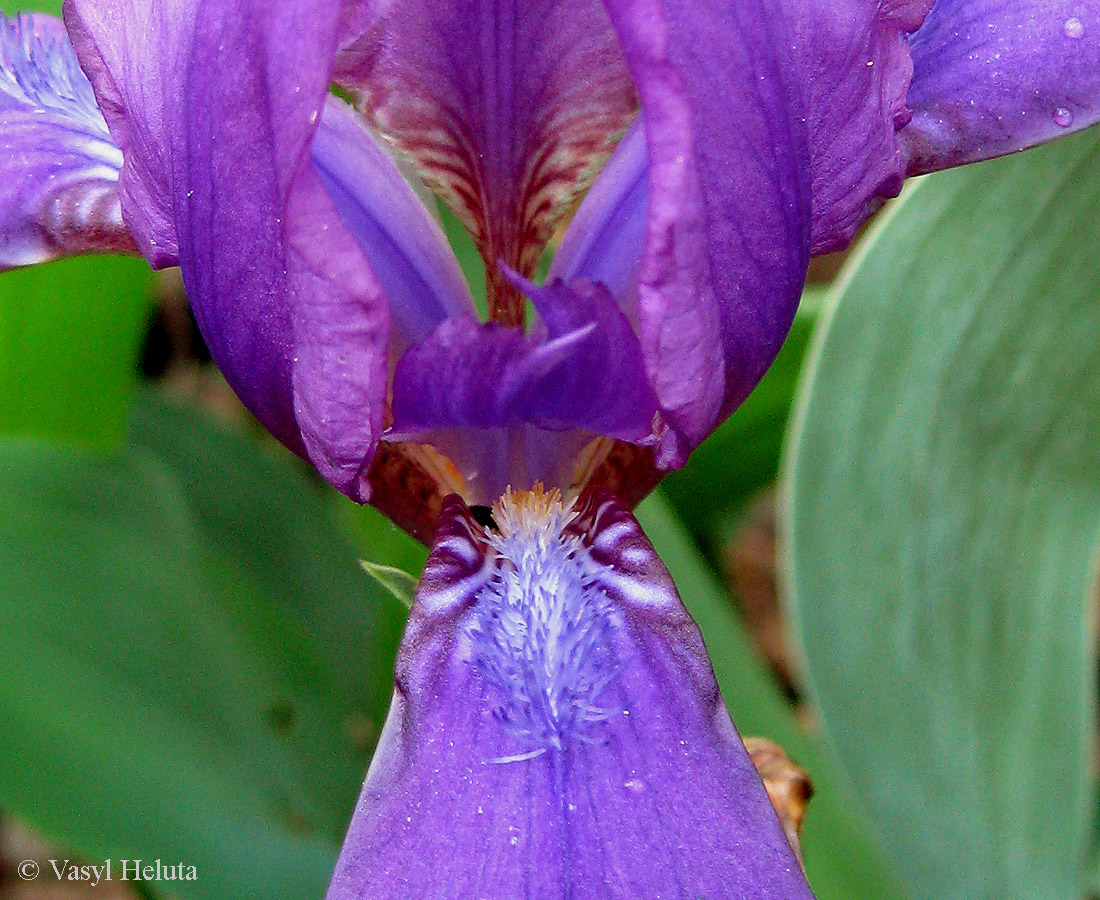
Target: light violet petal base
{"x":994,"y":76}
{"x":405,"y":246}
{"x":59,"y":167}
{"x":605,"y":240}
{"x":607,"y":770}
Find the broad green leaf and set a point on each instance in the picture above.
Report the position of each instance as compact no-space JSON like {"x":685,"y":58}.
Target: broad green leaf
{"x":70,"y":334}
{"x":742,"y":456}
{"x":842,"y":861}
{"x":11,"y":7}
{"x":270,"y":519}
{"x":137,"y":711}
{"x":192,"y":664}
{"x":944,"y":498}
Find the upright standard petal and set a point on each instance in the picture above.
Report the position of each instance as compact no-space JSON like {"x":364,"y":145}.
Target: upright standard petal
{"x":728,"y":227}
{"x":275,"y":205}
{"x":995,"y":76}
{"x":854,"y":62}
{"x":59,"y":167}
{"x":509,"y":107}
{"x":556,"y":731}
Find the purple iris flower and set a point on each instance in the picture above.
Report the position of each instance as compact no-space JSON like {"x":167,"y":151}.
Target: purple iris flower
{"x":556,"y":730}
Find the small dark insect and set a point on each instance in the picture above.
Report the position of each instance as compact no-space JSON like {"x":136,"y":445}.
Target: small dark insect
{"x":483,"y":515}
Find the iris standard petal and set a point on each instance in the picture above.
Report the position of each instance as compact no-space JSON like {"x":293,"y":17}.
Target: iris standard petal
{"x":405,"y":246}
{"x":59,"y":167}
{"x":214,"y":105}
{"x":557,"y":732}
{"x":133,"y":52}
{"x":853,"y":56}
{"x":994,"y":76}
{"x":508,"y":107}
{"x":728,"y":227}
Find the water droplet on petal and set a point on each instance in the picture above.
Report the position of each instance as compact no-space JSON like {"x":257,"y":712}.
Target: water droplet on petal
{"x":1063,"y":118}
{"x":1074,"y":29}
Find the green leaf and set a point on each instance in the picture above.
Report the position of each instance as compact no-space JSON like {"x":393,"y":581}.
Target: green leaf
{"x":397,"y":581}
{"x":742,"y":456}
{"x":377,"y":539}
{"x":11,"y":7}
{"x":192,"y":665}
{"x":135,"y":711}
{"x":270,"y":519}
{"x":944,"y":497}
{"x":70,"y":334}
{"x":465,"y":250}
{"x":841,"y":860}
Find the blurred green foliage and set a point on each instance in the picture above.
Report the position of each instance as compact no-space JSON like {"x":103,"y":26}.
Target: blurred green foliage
{"x":11,"y":7}
{"x":192,"y":665}
{"x":70,"y":333}
{"x":944,"y":504}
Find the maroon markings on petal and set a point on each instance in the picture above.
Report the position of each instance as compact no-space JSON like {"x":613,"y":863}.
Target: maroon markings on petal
{"x":992,"y":77}
{"x":556,"y":730}
{"x":59,"y":167}
{"x":855,"y":65}
{"x":509,"y":107}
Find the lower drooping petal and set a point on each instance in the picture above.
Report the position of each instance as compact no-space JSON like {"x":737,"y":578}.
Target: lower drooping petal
{"x":992,"y":77}
{"x":59,"y":167}
{"x":556,"y":731}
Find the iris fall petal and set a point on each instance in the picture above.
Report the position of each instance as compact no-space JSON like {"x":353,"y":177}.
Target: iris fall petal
{"x":59,"y":167}
{"x":555,"y":707}
{"x":995,"y":76}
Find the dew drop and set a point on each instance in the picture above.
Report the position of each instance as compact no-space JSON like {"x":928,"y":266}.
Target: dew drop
{"x":1074,"y":29}
{"x":1063,"y":118}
